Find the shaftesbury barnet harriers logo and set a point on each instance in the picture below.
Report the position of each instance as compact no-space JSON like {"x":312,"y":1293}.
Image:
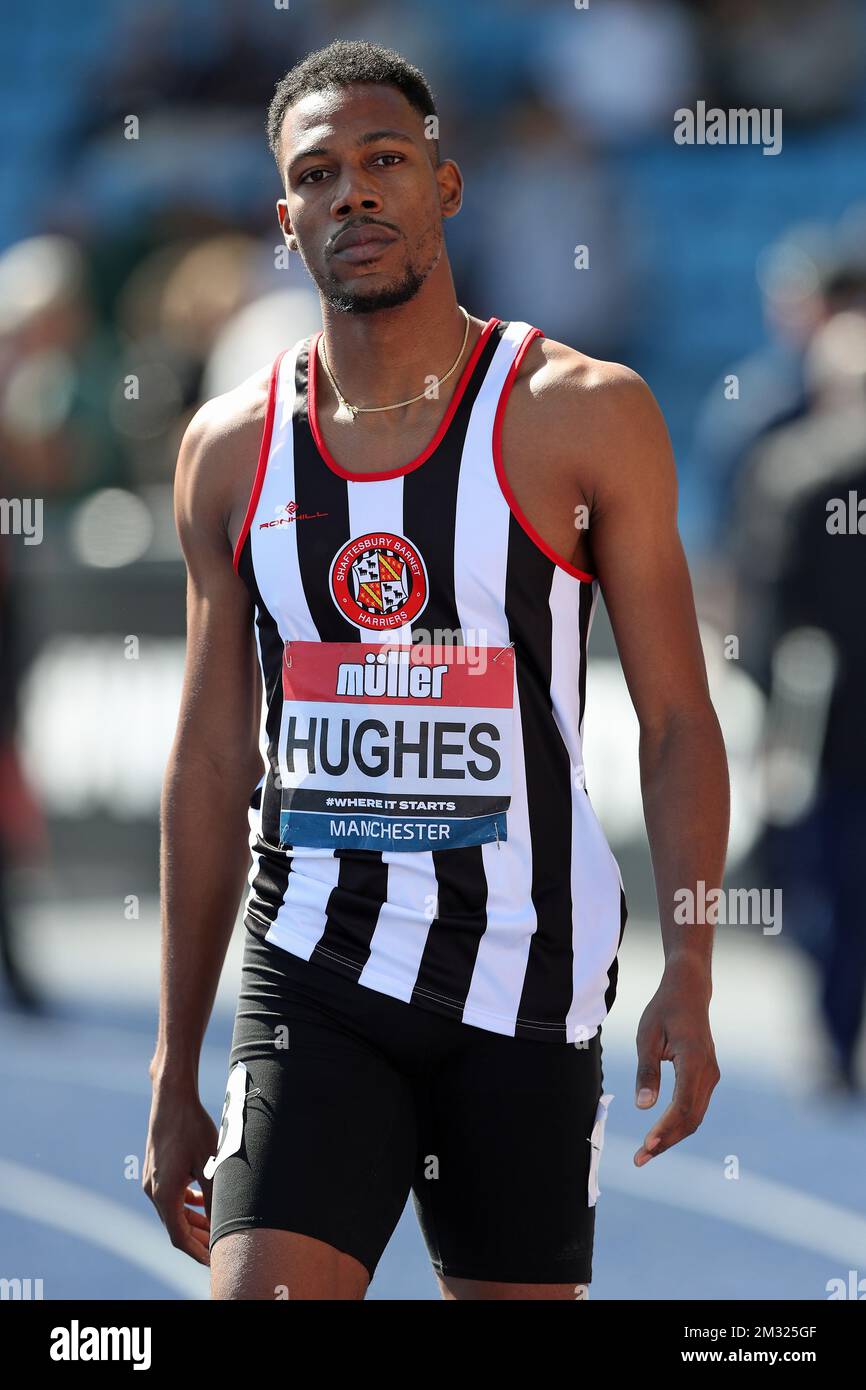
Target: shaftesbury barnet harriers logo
{"x":379,"y":581}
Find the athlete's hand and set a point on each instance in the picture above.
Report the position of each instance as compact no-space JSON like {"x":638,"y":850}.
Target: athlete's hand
{"x":181,"y":1137}
{"x":675,"y":1027}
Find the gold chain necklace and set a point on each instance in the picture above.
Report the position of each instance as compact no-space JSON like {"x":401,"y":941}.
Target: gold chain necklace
{"x":347,"y":411}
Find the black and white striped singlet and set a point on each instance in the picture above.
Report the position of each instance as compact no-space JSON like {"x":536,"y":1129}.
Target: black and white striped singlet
{"x":422,"y":824}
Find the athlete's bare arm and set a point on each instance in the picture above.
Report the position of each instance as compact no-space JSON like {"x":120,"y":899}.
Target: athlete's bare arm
{"x":607,"y":448}
{"x":213,"y":766}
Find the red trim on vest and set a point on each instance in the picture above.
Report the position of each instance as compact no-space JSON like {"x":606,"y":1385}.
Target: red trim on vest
{"x":261,"y":466}
{"x":519,"y":515}
{"x":434,"y":442}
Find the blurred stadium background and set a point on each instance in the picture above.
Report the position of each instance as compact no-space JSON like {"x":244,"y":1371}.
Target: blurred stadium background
{"x":138,"y":276}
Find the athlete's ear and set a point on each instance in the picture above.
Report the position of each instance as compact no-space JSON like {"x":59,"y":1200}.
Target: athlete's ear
{"x":285,"y":224}
{"x":450,"y":181}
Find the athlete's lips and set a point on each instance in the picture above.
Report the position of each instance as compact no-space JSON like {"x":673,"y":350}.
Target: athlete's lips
{"x":362,"y":243}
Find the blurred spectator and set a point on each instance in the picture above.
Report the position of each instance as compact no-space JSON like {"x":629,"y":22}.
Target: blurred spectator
{"x":810,"y":274}
{"x":170,"y":312}
{"x":176,"y":114}
{"x":794,"y":54}
{"x":810,"y":578}
{"x":56,"y":366}
{"x":21,"y":829}
{"x":619,"y":70}
{"x":255,"y":335}
{"x":529,"y":213}
{"x":198,"y":55}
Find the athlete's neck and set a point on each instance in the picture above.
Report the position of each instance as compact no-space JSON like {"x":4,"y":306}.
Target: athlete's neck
{"x":393,"y":354}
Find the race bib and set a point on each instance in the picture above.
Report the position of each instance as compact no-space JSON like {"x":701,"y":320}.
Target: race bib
{"x":393,"y":747}
{"x":232,"y":1122}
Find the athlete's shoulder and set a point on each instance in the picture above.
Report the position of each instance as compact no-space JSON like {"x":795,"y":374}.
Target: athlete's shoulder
{"x":598,"y":409}
{"x":559,"y":376}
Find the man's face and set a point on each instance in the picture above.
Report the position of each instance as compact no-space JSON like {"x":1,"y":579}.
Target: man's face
{"x":355,"y":161}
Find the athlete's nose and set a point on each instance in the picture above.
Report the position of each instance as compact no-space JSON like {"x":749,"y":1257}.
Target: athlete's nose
{"x":355,"y":194}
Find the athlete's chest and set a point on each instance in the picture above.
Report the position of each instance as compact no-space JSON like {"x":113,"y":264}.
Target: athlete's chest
{"x":546,"y":487}
{"x":401,"y":614}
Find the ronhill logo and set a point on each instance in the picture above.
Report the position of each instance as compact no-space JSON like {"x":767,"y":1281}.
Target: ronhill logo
{"x":287,"y":514}
{"x":390,"y":674}
{"x":77,"y":1343}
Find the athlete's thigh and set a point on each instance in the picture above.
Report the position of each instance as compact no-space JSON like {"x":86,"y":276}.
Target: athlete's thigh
{"x":319,"y":1134}
{"x":502,"y":1181}
{"x":270,"y":1264}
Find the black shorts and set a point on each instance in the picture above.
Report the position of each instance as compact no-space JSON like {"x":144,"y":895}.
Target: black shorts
{"x":351,"y":1099}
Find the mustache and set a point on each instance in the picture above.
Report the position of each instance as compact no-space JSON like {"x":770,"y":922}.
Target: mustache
{"x":362,"y":222}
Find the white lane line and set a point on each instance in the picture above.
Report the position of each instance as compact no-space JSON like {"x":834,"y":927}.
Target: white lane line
{"x":65,"y":1206}
{"x":753,"y":1202}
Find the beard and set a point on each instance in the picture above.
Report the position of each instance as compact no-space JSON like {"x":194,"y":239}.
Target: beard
{"x":401,"y":289}
{"x":360,"y":301}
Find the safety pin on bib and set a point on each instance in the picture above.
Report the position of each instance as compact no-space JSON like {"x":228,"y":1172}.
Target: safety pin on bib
{"x":503,"y":649}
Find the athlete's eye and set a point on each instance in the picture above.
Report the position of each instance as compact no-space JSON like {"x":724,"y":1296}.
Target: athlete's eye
{"x":305,"y":177}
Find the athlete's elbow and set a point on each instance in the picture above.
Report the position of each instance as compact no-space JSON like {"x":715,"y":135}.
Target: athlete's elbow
{"x":694,"y":727}
{"x":225,"y":774}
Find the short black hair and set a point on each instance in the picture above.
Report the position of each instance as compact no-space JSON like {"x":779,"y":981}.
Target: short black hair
{"x":338,"y":65}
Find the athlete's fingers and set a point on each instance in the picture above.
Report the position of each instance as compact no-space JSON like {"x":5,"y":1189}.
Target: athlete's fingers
{"x":193,"y":1197}
{"x":206,"y":1184}
{"x":195,"y":1244}
{"x":650,"y":1046}
{"x":197,"y":1219}
{"x":678,"y":1120}
{"x":674,"y":1125}
{"x":181,"y":1233}
{"x":689,"y":1065}
{"x":694,"y":1083}
{"x":646,"y":1151}
{"x":191,"y":1244}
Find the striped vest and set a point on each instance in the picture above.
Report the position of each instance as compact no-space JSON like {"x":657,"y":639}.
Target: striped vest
{"x":422,"y":824}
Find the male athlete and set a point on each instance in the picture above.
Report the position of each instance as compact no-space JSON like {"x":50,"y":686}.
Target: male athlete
{"x":396,"y":535}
